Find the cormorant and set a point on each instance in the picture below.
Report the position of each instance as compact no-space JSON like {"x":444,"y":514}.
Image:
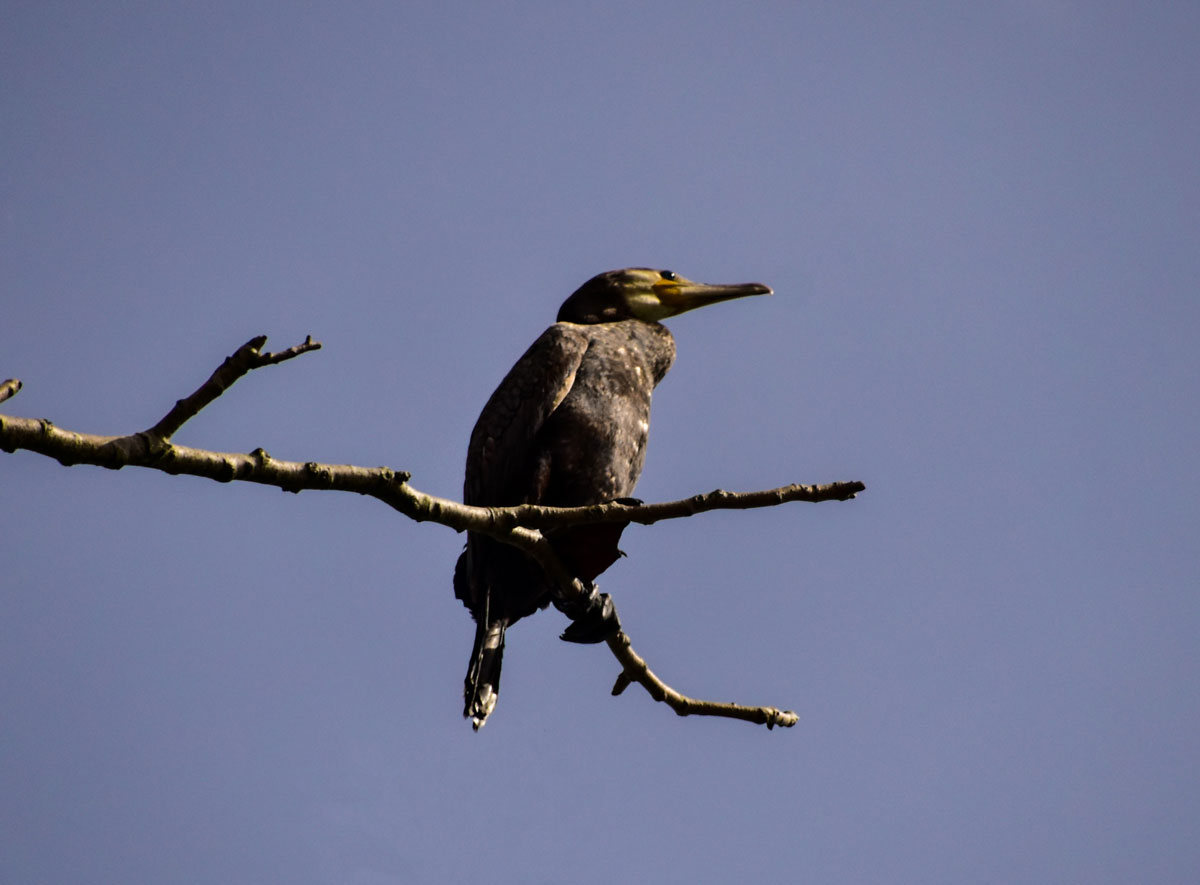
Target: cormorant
{"x":567,"y":427}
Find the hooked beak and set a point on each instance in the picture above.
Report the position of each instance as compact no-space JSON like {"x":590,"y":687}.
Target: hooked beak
{"x":681,"y":295}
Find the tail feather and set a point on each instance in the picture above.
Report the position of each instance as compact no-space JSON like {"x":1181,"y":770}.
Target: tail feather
{"x":482,"y":685}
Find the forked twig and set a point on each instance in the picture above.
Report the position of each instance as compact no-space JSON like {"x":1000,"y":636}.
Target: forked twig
{"x":248,"y":356}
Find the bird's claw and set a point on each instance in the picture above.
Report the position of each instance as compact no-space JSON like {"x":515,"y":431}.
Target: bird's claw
{"x":593,"y":617}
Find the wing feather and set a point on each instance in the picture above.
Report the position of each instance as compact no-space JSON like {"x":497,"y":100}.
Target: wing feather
{"x":501,"y":455}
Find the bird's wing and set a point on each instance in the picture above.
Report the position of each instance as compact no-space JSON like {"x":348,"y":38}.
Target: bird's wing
{"x":500,"y":457}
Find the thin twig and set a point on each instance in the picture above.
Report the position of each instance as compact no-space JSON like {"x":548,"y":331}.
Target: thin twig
{"x":243,"y":360}
{"x":537,"y":516}
{"x":637,"y":670}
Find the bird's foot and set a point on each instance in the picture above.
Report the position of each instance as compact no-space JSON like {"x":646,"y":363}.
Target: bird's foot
{"x":593,"y":617}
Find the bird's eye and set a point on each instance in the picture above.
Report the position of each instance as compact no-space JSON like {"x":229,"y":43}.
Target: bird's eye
{"x":669,"y":275}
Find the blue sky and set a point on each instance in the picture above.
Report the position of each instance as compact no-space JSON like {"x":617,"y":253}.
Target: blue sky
{"x":980,"y":224}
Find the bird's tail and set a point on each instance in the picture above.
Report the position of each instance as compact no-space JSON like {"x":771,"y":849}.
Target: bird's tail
{"x":482,"y":685}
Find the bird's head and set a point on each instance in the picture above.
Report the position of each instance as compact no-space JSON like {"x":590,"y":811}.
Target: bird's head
{"x":639,"y":293}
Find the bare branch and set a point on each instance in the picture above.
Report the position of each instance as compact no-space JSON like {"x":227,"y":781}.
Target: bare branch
{"x":280,"y":356}
{"x":388,"y":485}
{"x":536,"y":516}
{"x":243,"y":360}
{"x":637,"y":670}
{"x":519,"y":526}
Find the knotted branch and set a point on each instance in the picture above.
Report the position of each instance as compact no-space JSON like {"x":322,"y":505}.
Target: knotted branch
{"x":520,"y":526}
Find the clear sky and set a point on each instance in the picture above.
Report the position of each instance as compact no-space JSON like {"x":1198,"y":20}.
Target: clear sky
{"x":981,"y":224}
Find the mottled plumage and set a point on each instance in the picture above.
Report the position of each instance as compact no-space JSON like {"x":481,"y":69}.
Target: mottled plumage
{"x":567,"y":426}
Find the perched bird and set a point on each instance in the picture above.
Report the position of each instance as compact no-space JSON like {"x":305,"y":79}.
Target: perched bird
{"x":567,"y":427}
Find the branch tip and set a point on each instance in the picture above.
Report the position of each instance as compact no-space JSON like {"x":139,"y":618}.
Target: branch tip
{"x":10,"y":388}
{"x":270,"y":359}
{"x":635,"y":669}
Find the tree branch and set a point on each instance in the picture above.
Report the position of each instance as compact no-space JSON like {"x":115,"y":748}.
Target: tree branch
{"x":245,"y":358}
{"x":637,"y":670}
{"x":519,"y":526}
{"x":536,"y":516}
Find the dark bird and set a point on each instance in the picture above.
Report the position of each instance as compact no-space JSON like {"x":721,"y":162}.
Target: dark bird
{"x":567,"y":427}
